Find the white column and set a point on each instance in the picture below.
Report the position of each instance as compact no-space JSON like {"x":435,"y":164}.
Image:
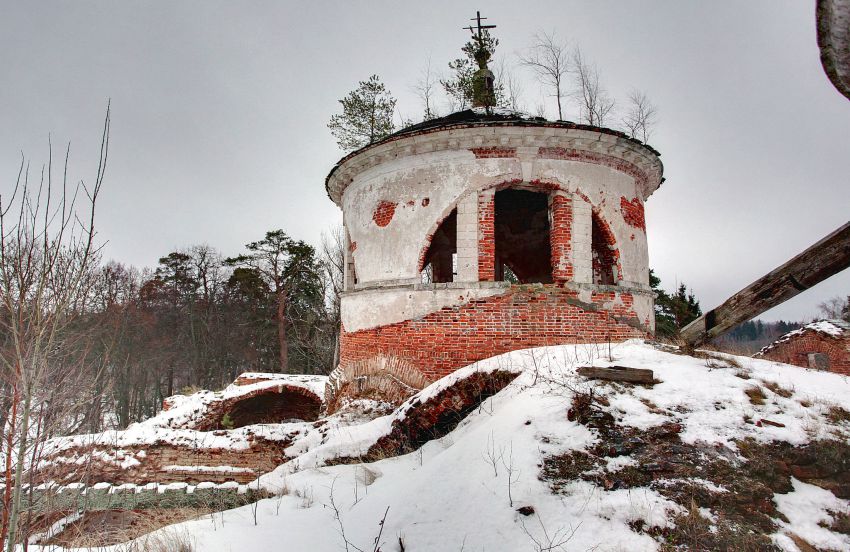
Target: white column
{"x":582,"y":255}
{"x":467,"y":239}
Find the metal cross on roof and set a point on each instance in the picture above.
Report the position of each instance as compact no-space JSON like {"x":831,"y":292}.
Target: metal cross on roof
{"x":479,"y":27}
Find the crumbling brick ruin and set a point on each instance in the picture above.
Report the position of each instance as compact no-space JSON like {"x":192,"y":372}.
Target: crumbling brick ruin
{"x":823,"y":345}
{"x":482,"y":232}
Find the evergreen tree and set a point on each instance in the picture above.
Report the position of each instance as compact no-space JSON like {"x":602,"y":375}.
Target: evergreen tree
{"x":459,"y":86}
{"x":367,"y":115}
{"x":293,"y":275}
{"x":673,"y":312}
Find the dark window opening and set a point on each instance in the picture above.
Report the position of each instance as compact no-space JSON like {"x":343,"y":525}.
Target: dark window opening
{"x":818,"y":361}
{"x":441,"y":258}
{"x":604,"y":250}
{"x":273,"y":408}
{"x":523,"y":252}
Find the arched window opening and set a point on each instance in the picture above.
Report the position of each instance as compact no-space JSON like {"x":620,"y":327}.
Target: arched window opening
{"x":273,"y":408}
{"x":440,"y":264}
{"x":523,"y":253}
{"x":604,"y":250}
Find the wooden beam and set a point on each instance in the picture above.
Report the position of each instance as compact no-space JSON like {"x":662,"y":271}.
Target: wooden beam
{"x":827,"y":257}
{"x":617,"y":373}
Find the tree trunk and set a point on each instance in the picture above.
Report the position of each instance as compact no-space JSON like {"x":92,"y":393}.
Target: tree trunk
{"x":7,"y":493}
{"x":281,"y":330}
{"x":19,"y":471}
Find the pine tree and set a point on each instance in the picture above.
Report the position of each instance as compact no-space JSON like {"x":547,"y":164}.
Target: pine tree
{"x":367,"y":115}
{"x":292,"y":273}
{"x":673,"y":312}
{"x":459,"y":87}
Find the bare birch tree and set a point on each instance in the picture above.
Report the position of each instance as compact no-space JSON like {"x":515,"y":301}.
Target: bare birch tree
{"x":640,"y":119}
{"x":425,"y":89}
{"x":333,"y":264}
{"x":595,"y":105}
{"x":549,"y":58}
{"x":48,"y":258}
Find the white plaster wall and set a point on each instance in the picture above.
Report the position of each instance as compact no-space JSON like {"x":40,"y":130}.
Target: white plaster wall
{"x":371,"y":308}
{"x":392,"y":252}
{"x":440,"y":167}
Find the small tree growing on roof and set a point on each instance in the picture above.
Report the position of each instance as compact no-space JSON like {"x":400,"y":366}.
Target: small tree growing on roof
{"x":367,"y":115}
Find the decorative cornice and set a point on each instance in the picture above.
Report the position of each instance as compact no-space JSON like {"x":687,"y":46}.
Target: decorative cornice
{"x":591,"y":141}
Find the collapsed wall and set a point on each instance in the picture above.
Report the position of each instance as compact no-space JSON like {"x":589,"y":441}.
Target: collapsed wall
{"x":823,"y":345}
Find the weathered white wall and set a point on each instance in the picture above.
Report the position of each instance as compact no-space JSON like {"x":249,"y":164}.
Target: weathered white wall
{"x":378,"y":307}
{"x":428,"y":175}
{"x":393,"y":252}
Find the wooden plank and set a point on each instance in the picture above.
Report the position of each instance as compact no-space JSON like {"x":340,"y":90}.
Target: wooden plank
{"x":617,"y":373}
{"x":827,"y":257}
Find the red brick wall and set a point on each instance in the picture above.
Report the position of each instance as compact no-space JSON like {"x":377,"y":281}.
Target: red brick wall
{"x":796,"y":350}
{"x":384,"y":213}
{"x":86,"y":463}
{"x":560,"y":238}
{"x":494,"y":151}
{"x":633,"y":212}
{"x":525,"y":316}
{"x":486,"y":236}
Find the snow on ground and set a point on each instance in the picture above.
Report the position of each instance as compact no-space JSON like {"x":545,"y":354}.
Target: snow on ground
{"x":174,"y":425}
{"x":809,"y":506}
{"x":463,"y":491}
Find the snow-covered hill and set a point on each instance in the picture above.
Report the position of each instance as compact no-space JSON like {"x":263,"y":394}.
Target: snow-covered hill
{"x":721,"y":451}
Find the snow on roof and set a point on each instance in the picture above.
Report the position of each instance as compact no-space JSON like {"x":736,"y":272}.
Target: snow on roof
{"x":832,"y":328}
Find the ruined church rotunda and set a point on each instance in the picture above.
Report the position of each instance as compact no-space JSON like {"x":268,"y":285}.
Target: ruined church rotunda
{"x":488,"y":231}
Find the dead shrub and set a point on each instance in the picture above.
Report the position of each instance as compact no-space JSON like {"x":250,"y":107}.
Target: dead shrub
{"x":131,"y":530}
{"x":756,"y":395}
{"x":837,"y":414}
{"x":778,"y":389}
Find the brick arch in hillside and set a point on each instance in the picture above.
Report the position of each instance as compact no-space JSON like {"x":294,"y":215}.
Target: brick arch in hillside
{"x":383,"y":377}
{"x":267,"y":405}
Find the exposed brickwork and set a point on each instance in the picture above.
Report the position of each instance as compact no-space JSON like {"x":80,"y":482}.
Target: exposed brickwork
{"x":385,"y":378}
{"x":606,"y":254}
{"x":560,"y":238}
{"x":279,"y":403}
{"x":146,"y":464}
{"x":384,"y":213}
{"x":597,"y":158}
{"x":486,"y":237}
{"x":525,"y":316}
{"x":797,"y":348}
{"x":493,"y":151}
{"x":633,"y":212}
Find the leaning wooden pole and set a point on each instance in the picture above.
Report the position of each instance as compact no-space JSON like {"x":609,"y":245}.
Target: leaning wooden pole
{"x":827,"y":257}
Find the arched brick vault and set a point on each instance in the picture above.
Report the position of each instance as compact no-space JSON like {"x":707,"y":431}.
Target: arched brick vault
{"x":266,"y":405}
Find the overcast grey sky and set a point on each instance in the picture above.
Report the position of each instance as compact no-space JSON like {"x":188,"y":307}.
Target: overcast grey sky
{"x":220,"y":111}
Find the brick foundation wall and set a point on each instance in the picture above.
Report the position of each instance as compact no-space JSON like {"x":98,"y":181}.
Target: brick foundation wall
{"x":525,"y":316}
{"x":797,"y":348}
{"x":87,"y":464}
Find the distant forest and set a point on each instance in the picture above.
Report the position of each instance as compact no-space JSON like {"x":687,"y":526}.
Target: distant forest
{"x":750,"y":337}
